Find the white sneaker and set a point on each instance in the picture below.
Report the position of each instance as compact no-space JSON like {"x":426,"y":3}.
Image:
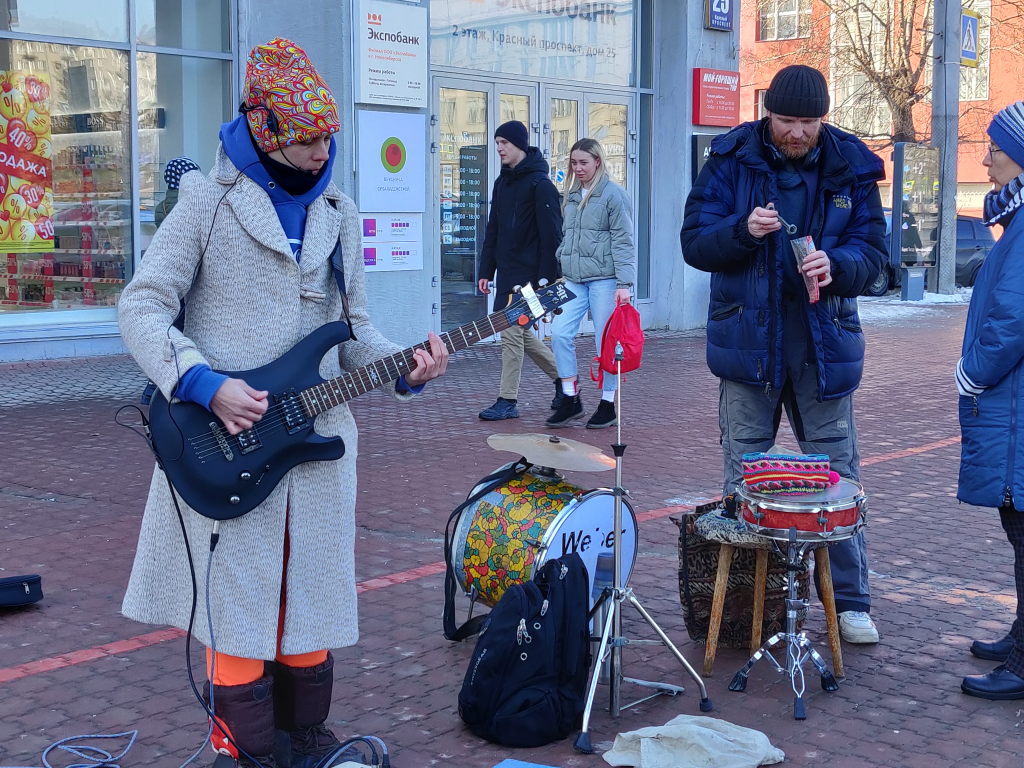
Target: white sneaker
{"x":857,"y":627}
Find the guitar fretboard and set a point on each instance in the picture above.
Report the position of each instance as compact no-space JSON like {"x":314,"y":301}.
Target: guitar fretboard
{"x":336,"y":391}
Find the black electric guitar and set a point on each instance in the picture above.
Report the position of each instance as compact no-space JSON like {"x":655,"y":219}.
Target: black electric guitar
{"x":222,"y":476}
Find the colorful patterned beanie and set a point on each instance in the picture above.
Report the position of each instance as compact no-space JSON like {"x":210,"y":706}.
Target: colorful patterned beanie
{"x":281,"y":81}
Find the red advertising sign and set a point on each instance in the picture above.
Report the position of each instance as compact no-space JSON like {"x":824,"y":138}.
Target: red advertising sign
{"x":716,"y":97}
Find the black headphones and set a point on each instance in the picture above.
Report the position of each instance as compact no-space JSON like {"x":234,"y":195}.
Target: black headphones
{"x":272,"y":122}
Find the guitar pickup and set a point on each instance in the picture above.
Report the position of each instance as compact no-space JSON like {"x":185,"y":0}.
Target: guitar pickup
{"x":291,"y":408}
{"x":248,"y":440}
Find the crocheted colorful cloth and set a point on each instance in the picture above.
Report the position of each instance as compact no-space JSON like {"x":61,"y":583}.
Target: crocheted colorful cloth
{"x":787,"y":474}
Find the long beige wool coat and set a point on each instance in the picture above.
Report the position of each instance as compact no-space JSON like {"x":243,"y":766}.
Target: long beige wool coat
{"x":250,"y":302}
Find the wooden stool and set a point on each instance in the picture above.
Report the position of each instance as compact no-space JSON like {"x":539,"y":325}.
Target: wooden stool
{"x":828,"y":601}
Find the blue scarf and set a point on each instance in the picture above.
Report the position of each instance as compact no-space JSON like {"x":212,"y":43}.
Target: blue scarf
{"x":999,"y":204}
{"x":291,"y":210}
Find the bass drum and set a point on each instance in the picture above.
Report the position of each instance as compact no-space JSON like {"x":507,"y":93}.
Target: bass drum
{"x":508,"y":534}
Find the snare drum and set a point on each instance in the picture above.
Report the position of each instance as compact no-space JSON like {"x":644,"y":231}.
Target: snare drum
{"x":829,"y":515}
{"x":507,"y":535}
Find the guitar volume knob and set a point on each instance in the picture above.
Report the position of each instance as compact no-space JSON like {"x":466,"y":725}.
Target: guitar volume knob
{"x":246,"y":476}
{"x":234,"y":499}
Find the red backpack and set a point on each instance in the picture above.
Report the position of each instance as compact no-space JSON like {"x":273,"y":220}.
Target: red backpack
{"x":622,"y":329}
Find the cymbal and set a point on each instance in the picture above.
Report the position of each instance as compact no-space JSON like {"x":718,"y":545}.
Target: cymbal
{"x":553,"y":451}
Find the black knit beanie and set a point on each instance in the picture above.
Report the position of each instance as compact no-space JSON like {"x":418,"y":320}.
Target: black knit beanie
{"x":514,"y":132}
{"x":797,"y":91}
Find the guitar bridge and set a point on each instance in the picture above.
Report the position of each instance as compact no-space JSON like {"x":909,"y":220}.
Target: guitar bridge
{"x":222,"y":441}
{"x":291,"y":408}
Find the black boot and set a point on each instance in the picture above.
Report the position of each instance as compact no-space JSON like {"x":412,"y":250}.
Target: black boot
{"x":243,"y":731}
{"x":997,"y":651}
{"x":302,"y":701}
{"x":559,"y":395}
{"x":570,"y":410}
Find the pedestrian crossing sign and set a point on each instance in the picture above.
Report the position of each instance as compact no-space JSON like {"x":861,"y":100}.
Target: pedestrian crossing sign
{"x":969,"y":33}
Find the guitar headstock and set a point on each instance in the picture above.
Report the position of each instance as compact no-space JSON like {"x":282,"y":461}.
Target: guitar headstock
{"x":530,"y":304}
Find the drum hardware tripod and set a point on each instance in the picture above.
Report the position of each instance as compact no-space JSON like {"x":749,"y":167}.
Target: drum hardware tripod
{"x":611,"y":640}
{"x":798,"y":647}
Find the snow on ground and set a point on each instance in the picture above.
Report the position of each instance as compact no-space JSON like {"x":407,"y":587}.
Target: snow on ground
{"x":890,"y":310}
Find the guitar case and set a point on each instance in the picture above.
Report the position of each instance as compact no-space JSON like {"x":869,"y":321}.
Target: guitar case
{"x":16,"y":591}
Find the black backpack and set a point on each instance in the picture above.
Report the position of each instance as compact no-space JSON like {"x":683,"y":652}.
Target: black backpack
{"x":526,"y":681}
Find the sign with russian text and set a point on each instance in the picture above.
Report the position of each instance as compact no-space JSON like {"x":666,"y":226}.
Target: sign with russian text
{"x":718,"y":14}
{"x":391,"y":164}
{"x":392,"y":241}
{"x":583,"y":40}
{"x":26,"y":168}
{"x":716,"y":97}
{"x":393,"y":63}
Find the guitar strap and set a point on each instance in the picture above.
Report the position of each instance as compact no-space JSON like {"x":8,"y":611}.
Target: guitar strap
{"x":488,"y":484}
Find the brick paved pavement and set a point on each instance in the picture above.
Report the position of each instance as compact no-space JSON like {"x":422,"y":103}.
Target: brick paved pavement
{"x":72,"y":485}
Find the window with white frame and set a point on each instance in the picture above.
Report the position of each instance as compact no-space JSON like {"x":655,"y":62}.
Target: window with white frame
{"x":783,"y":19}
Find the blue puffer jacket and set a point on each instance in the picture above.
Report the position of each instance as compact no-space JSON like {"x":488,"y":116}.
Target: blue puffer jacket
{"x":992,"y":448}
{"x":744,"y":314}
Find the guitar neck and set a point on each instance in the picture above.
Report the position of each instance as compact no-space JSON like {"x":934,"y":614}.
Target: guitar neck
{"x":341,"y":389}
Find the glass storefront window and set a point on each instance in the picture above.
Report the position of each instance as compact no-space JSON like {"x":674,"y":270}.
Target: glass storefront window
{"x":94,"y":20}
{"x":564,"y":133}
{"x":182,"y":102}
{"x":65,"y":221}
{"x":607,"y":124}
{"x":193,"y":24}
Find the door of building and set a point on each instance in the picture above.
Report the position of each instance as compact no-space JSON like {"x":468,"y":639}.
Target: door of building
{"x":569,"y":116}
{"x":465,"y":115}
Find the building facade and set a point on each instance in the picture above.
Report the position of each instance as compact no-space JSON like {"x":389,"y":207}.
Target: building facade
{"x":98,"y":95}
{"x":774,"y":33}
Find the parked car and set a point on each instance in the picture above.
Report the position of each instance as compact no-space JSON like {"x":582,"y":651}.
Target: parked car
{"x":973,"y":242}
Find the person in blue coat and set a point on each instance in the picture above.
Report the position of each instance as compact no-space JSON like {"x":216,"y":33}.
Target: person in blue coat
{"x":990,"y":380}
{"x":769,"y":344}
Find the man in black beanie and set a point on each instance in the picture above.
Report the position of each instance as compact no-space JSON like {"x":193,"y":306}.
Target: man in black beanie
{"x":524,"y":229}
{"x":783,"y":330}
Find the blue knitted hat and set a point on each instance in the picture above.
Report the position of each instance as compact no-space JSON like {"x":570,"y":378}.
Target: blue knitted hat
{"x":1007,"y":130}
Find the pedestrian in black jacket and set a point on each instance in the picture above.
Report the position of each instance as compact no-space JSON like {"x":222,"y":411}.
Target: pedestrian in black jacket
{"x":524,"y":229}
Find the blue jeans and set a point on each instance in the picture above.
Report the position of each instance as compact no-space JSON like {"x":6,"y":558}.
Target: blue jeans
{"x":599,"y":297}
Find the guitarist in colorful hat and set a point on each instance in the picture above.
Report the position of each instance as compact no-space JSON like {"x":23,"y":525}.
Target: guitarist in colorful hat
{"x":261,"y":254}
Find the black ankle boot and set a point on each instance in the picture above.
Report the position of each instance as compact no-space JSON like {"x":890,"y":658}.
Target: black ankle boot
{"x":570,"y":410}
{"x":302,"y":701}
{"x":997,"y":651}
{"x":243,"y":731}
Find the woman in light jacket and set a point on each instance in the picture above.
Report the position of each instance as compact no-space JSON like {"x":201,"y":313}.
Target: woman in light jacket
{"x":598,"y":260}
{"x":990,"y":379}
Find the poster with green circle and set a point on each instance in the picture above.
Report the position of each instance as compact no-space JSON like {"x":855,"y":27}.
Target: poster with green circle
{"x":392,"y":154}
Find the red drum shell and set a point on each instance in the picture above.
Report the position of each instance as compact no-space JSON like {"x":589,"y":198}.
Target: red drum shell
{"x":834,"y":513}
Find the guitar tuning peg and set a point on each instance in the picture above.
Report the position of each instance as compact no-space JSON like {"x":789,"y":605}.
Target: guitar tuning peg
{"x":542,"y":282}
{"x":517,"y":288}
{"x":556,"y":311}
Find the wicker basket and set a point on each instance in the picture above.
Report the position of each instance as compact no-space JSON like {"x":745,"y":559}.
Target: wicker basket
{"x":698,"y":567}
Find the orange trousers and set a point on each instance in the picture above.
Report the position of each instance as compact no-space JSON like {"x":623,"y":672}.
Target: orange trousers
{"x":237,"y":670}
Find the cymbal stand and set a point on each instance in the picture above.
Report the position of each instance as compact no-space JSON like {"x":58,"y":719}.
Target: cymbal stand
{"x":609,"y":652}
{"x":798,"y":647}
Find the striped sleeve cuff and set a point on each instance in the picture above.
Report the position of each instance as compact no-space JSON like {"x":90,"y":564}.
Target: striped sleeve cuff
{"x":964,"y":383}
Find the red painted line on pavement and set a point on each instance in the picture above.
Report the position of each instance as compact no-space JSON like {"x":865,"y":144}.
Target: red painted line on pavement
{"x":84,"y":655}
{"x":902,"y":454}
{"x":88,"y":654}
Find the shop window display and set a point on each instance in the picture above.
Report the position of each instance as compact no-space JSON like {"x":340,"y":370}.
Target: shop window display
{"x":65,"y":222}
{"x":182,"y":102}
{"x":93,"y":20}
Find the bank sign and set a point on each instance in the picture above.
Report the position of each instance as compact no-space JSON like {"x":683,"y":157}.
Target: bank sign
{"x":585,"y":40}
